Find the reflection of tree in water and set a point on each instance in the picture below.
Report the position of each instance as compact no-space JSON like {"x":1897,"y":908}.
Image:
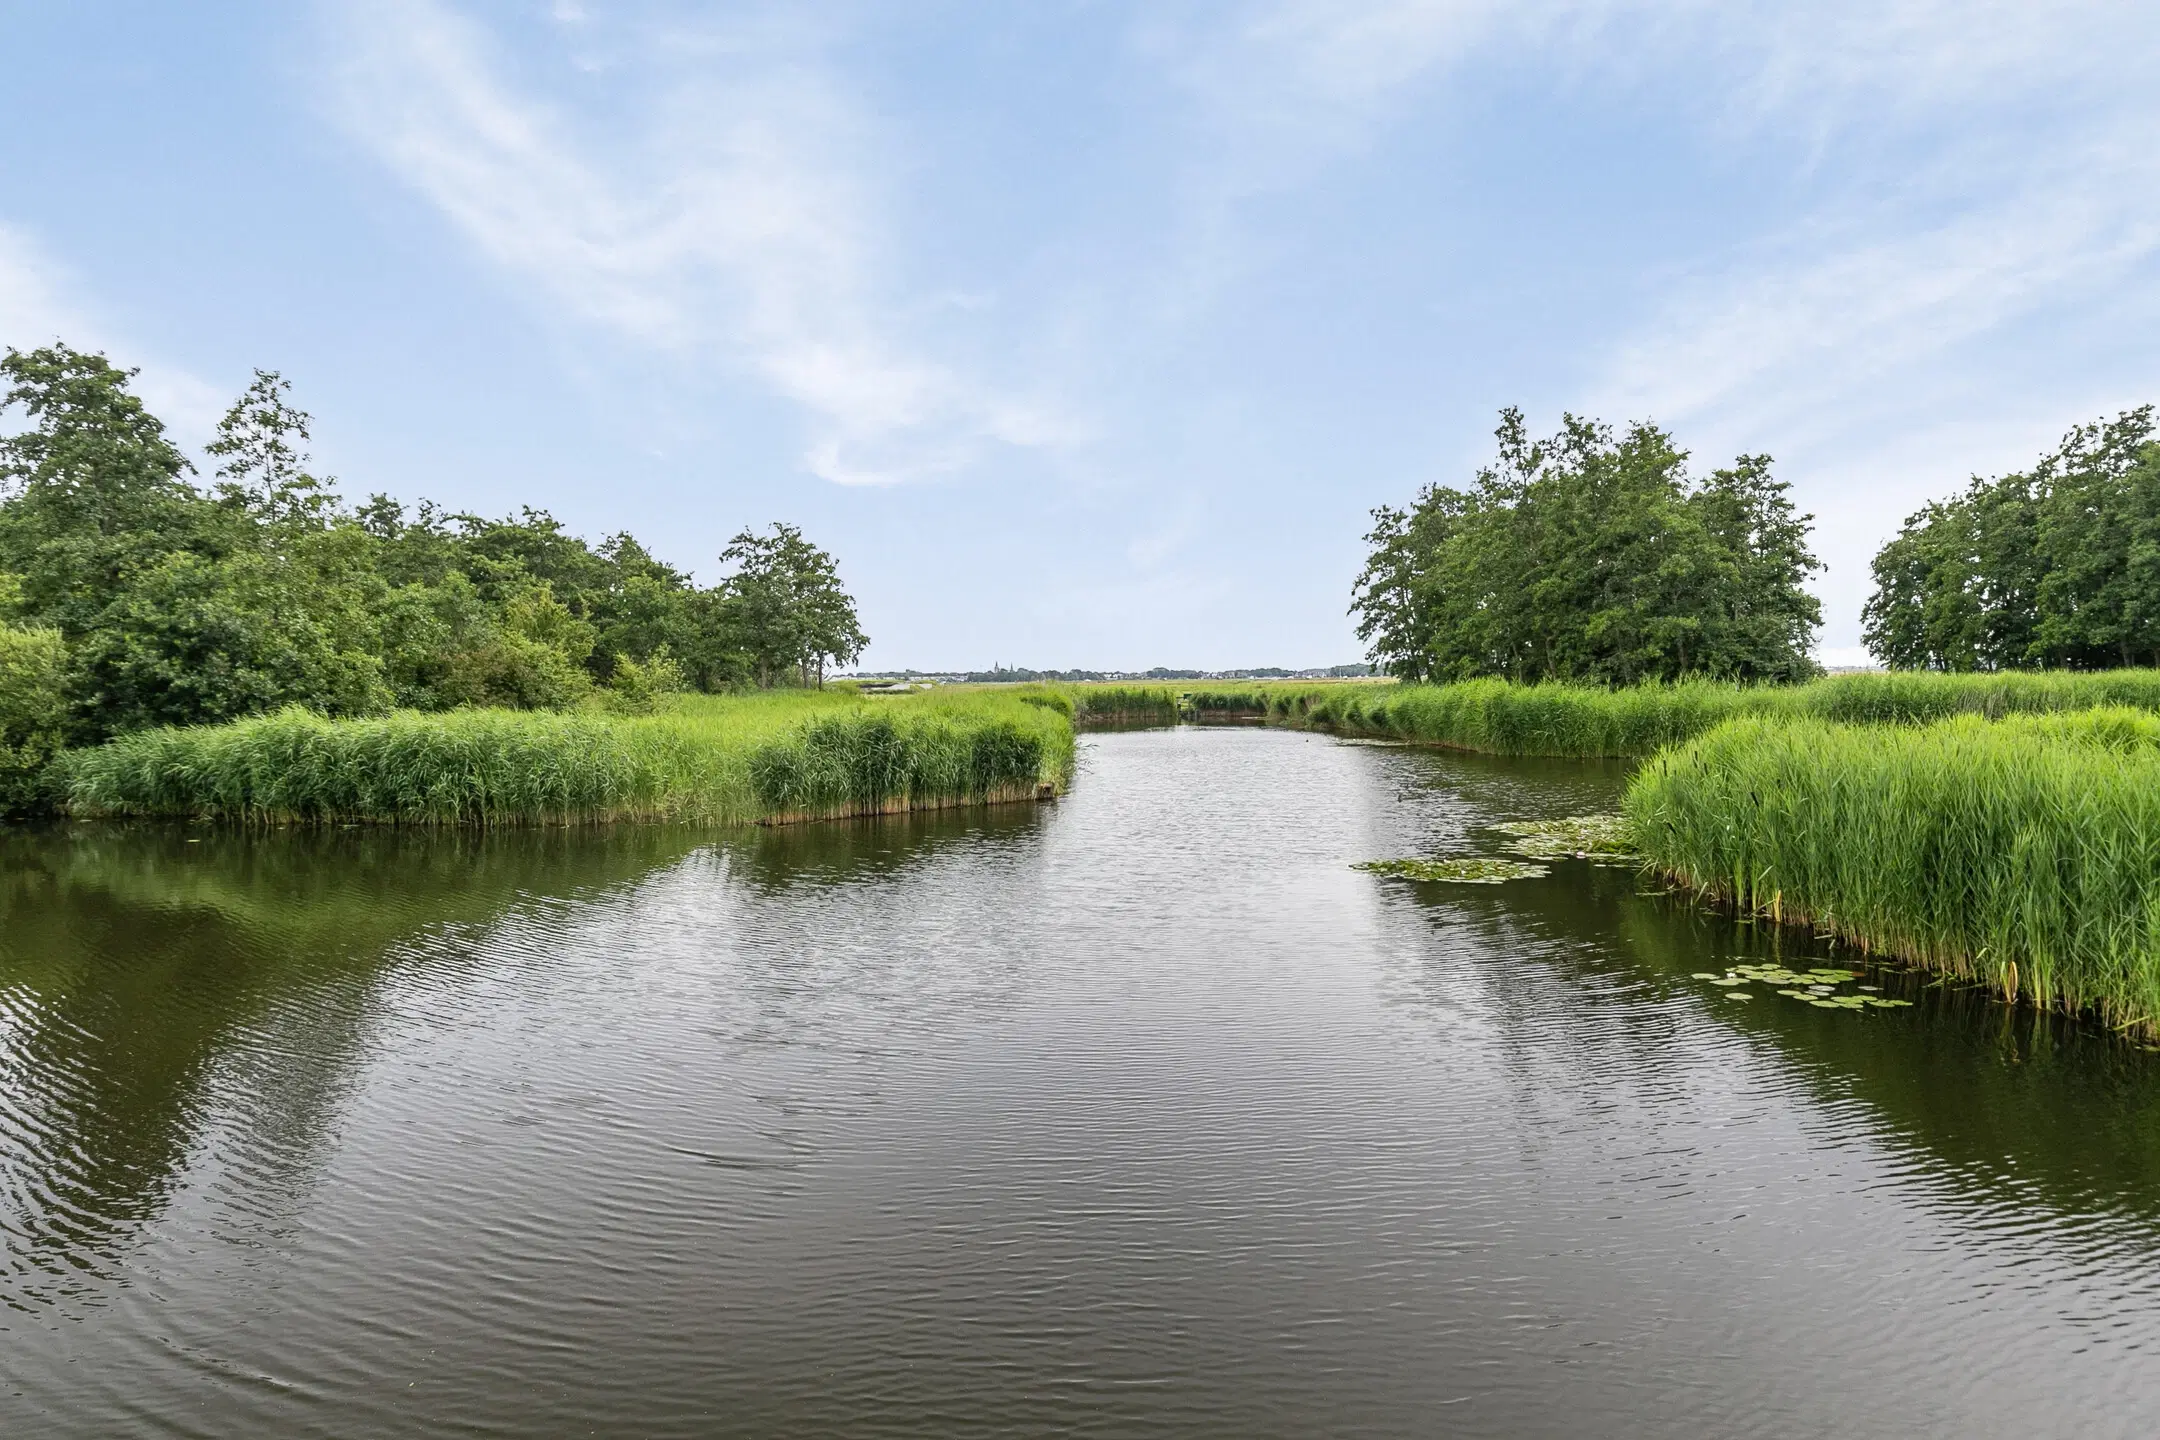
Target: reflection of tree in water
{"x":2063,"y":1113}
{"x":157,"y":986}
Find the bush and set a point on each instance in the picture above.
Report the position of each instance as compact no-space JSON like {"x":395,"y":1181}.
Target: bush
{"x":636,"y":689}
{"x":33,"y":714}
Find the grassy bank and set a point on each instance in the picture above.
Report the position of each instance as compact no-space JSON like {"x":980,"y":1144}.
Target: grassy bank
{"x":706,"y":759}
{"x":2023,"y":853}
{"x":1586,"y":721}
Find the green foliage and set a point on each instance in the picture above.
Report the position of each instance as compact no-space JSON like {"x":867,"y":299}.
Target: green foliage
{"x":863,"y":762}
{"x":785,"y":601}
{"x":1592,"y":559}
{"x":93,"y":487}
{"x":33,"y":713}
{"x":2023,"y":852}
{"x":179,"y":605}
{"x":636,"y":689}
{"x":1120,"y":702}
{"x":705,"y":758}
{"x":2056,"y":567}
{"x":1501,"y":718}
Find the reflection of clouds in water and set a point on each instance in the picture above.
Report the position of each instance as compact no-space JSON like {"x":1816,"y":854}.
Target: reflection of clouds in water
{"x":1137,"y":1110}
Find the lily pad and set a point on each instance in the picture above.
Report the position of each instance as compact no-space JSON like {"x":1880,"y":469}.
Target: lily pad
{"x":1467,"y":871}
{"x":1602,"y":838}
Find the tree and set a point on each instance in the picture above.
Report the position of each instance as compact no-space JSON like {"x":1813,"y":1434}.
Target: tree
{"x":1596,"y":558}
{"x":784,"y":607}
{"x":2057,"y":566}
{"x":133,"y":597}
{"x":265,"y":470}
{"x":92,"y":489}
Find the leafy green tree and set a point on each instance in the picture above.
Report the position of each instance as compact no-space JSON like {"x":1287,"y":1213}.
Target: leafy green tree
{"x":178,"y":607}
{"x":2058,"y":566}
{"x":785,"y":608}
{"x":132,"y":597}
{"x":2099,"y":531}
{"x":1592,"y":557}
{"x":92,"y":489}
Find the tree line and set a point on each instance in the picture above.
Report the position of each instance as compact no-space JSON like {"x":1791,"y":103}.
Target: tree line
{"x":135,"y":591}
{"x":1595,"y":557}
{"x":2055,"y":567}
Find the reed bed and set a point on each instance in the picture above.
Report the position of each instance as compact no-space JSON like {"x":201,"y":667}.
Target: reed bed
{"x":1503,"y":718}
{"x":1126,"y":703}
{"x":2023,"y":852}
{"x":705,"y":759}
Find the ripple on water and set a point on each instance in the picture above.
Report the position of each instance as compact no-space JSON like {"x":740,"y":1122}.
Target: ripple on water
{"x":1142,"y":1112}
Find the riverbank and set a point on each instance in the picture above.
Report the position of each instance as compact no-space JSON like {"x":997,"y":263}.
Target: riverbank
{"x":2003,"y":828}
{"x":772,"y":758}
{"x":2022,"y":853}
{"x":1501,"y":718}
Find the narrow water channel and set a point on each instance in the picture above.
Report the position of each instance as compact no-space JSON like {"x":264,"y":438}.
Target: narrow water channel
{"x":1137,"y":1114}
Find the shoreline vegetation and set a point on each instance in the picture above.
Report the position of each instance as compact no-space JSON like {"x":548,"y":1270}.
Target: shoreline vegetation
{"x":247,"y":646}
{"x":765,"y":758}
{"x":2020,"y":853}
{"x":2001,"y":829}
{"x":1500,"y":717}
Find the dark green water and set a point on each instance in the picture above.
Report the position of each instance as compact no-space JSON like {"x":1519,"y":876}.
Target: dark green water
{"x":1138,"y":1114}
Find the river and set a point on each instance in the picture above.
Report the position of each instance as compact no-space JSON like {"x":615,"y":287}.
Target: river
{"x":1139,"y":1113}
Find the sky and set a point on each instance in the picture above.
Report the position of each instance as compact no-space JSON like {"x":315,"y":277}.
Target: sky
{"x":1089,"y":334}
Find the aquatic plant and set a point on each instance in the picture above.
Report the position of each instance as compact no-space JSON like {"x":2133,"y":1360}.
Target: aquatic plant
{"x":2022,"y":853}
{"x":1575,"y":837}
{"x":702,"y":758}
{"x":1468,"y":871}
{"x":1817,"y":986}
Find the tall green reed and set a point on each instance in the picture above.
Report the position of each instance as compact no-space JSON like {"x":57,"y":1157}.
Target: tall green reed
{"x":707,"y":759}
{"x":1588,"y":721}
{"x":2023,"y":853}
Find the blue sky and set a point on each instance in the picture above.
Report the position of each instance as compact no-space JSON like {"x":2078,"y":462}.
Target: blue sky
{"x":1086,"y":334}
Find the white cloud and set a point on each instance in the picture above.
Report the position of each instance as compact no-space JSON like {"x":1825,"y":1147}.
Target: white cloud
{"x":1997,"y":181}
{"x":739,"y":222}
{"x":38,"y":307}
{"x":1977,"y":168}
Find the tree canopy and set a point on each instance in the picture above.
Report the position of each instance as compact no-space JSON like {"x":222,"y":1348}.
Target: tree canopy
{"x":131,"y":594}
{"x":2058,"y":566}
{"x":1591,"y":557}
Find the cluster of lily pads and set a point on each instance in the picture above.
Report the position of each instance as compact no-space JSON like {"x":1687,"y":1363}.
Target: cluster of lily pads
{"x":1602,"y":839}
{"x":1817,"y":986}
{"x":1472,"y":870}
{"x":1598,"y":838}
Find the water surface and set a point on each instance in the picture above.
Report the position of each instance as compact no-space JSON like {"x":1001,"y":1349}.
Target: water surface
{"x":1140,"y":1113}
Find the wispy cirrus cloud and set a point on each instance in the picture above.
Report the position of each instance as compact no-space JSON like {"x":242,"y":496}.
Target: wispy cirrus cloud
{"x":732,"y":219}
{"x":1953,"y":175}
